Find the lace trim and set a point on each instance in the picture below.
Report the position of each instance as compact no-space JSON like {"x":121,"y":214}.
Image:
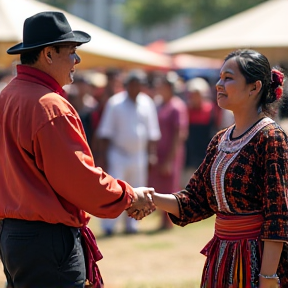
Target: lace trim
{"x":228,"y":151}
{"x":231,"y":146}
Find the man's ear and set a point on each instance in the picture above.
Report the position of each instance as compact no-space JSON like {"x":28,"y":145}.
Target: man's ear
{"x":47,"y":54}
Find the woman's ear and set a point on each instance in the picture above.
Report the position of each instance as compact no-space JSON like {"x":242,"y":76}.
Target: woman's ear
{"x":256,"y":88}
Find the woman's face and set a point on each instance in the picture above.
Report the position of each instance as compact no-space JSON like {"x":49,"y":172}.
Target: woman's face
{"x":232,"y":90}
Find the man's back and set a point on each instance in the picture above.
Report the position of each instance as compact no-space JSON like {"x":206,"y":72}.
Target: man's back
{"x":27,"y":107}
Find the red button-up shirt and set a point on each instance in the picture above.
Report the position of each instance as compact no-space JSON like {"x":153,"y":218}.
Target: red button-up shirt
{"x":47,"y":171}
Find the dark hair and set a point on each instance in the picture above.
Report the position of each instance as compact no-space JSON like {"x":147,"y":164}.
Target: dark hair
{"x":255,"y":66}
{"x":32,"y":56}
{"x":136,"y":75}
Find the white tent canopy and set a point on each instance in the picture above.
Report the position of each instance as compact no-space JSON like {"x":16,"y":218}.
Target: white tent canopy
{"x":263,"y":28}
{"x":105,"y":49}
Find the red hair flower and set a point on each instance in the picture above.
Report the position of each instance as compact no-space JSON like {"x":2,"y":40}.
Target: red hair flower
{"x":277,"y":77}
{"x":278,"y":92}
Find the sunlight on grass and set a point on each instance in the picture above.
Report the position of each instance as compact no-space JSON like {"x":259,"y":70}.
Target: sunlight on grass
{"x":154,"y":259}
{"x":190,"y":284}
{"x":154,"y":245}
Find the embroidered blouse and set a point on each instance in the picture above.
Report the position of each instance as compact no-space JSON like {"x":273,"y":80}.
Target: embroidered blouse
{"x":244,"y":175}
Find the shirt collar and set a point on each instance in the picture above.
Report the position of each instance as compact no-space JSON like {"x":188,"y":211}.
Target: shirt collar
{"x":35,"y":75}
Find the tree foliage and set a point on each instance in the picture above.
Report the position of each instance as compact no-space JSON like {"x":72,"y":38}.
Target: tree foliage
{"x":147,"y":13}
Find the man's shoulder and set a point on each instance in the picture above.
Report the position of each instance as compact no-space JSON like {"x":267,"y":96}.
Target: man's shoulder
{"x":178,"y":103}
{"x":51,"y":99}
{"x":118,"y":98}
{"x":43,"y":102}
{"x":145,"y":98}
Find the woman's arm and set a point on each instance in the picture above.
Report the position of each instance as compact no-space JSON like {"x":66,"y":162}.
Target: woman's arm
{"x":166,"y":202}
{"x":270,"y":261}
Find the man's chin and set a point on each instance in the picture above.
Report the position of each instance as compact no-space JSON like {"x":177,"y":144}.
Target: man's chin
{"x":71,"y":77}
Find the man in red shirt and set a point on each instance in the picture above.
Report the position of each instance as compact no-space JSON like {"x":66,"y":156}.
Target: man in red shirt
{"x":47,"y":172}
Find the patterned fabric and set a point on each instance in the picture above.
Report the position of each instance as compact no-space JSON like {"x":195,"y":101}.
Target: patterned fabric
{"x":244,"y":175}
{"x":227,"y":152}
{"x":233,"y":249}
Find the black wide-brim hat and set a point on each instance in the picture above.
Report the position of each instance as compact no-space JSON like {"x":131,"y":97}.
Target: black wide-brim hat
{"x":45,"y":29}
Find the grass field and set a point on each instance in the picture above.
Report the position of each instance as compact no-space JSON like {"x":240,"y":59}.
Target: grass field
{"x":151,"y":259}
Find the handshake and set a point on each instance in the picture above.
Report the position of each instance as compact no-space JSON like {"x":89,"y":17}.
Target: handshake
{"x":143,"y":204}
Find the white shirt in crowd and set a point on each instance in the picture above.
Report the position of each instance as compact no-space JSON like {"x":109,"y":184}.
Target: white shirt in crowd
{"x":129,"y":125}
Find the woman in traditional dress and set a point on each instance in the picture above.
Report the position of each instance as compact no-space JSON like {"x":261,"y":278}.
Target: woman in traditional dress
{"x":243,"y":180}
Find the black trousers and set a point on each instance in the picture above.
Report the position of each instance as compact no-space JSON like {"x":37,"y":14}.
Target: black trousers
{"x":37,"y":254}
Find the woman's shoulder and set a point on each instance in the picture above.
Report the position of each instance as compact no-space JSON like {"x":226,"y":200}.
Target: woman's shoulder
{"x":272,"y":129}
{"x":216,"y":139}
{"x":272,"y":133}
{"x":221,"y":132}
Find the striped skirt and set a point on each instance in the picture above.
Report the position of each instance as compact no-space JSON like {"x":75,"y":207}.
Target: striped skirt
{"x":234,"y":253}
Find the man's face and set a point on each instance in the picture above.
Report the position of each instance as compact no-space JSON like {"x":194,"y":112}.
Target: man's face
{"x":134,"y":88}
{"x":64,"y":63}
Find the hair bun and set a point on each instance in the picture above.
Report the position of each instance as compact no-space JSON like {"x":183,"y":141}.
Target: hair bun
{"x":277,"y":79}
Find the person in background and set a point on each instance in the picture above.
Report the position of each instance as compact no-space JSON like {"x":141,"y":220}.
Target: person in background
{"x":98,"y":82}
{"x":128,"y":131}
{"x":104,"y":85}
{"x":47,"y":173}
{"x":243,"y":180}
{"x":80,"y":96}
{"x":164,"y":175}
{"x":5,"y":77}
{"x":202,"y":123}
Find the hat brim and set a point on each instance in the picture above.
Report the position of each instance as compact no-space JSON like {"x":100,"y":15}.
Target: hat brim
{"x":79,"y":37}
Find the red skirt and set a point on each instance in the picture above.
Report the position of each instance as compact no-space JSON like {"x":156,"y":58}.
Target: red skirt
{"x":234,"y":254}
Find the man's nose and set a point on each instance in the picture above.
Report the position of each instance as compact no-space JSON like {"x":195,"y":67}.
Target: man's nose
{"x":77,"y":58}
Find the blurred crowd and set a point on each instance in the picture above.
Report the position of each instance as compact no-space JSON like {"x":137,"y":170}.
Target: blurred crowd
{"x":123,"y":135}
{"x":146,"y":128}
{"x":154,"y":124}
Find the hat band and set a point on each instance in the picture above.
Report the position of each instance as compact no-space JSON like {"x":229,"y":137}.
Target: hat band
{"x":68,"y":36}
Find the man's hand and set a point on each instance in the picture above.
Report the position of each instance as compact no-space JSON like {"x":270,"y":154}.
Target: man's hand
{"x":143,"y":204}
